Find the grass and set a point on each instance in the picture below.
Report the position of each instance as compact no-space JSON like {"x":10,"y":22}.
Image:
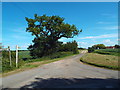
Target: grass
{"x":100,"y":59}
{"x":44,"y":60}
{"x":33,"y":63}
{"x":24,"y":54}
{"x":115,"y":52}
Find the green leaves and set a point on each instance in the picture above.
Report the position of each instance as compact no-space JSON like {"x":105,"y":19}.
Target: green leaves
{"x":47,"y":31}
{"x":52,"y":24}
{"x":99,"y":46}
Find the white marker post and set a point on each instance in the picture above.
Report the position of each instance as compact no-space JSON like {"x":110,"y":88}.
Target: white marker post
{"x":10,"y":56}
{"x":16,"y":55}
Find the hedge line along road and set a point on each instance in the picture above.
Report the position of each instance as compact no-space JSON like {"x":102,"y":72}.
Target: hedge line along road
{"x":66,"y":73}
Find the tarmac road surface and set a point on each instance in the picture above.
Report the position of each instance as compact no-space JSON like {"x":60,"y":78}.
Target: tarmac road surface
{"x":66,"y":73}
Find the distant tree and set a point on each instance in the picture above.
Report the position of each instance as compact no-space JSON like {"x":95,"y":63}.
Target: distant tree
{"x":100,"y":46}
{"x":75,"y":47}
{"x":0,"y":45}
{"x":90,"y":49}
{"x":81,"y":48}
{"x":117,"y":46}
{"x":70,"y":46}
{"x":47,"y":31}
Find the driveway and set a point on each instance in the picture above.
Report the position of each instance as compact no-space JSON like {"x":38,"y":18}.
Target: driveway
{"x":66,"y":73}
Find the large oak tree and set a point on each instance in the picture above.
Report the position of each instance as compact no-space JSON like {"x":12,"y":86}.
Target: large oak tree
{"x":47,"y":31}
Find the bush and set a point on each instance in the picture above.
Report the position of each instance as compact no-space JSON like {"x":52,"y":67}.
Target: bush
{"x":5,"y":54}
{"x":69,"y":46}
{"x":6,"y":62}
{"x":100,"y":46}
{"x":55,"y":55}
{"x":90,"y":49}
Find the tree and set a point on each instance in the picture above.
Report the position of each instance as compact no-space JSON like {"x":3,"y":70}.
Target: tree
{"x":0,"y":45}
{"x":47,"y":31}
{"x":100,"y":46}
{"x":70,"y":46}
{"x":117,"y":46}
{"x":90,"y":49}
{"x":75,"y":47}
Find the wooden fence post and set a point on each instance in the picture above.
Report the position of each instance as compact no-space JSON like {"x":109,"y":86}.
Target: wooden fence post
{"x":10,"y":55}
{"x":16,"y":55}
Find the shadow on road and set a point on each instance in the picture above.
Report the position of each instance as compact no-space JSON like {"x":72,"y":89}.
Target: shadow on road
{"x":73,"y":83}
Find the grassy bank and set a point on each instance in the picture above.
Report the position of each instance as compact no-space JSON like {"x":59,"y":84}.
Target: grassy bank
{"x":26,"y":62}
{"x":97,"y":58}
{"x":115,"y":52}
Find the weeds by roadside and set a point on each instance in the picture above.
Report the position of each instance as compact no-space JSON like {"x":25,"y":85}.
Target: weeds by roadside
{"x":29,"y":63}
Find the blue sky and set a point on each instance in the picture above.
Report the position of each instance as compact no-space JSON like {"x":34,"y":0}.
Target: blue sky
{"x":99,"y":21}
{"x":60,"y":0}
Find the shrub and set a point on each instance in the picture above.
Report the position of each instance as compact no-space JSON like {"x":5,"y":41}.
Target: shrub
{"x":6,"y":62}
{"x":55,"y":55}
{"x":69,"y":46}
{"x":5,"y":54}
{"x":90,"y":49}
{"x":100,"y":46}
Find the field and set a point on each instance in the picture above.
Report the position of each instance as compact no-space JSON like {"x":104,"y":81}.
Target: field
{"x":24,"y":54}
{"x":107,"y":58}
{"x":115,"y":52}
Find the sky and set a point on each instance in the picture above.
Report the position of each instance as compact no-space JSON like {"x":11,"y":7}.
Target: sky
{"x":59,"y":0}
{"x":98,"y":20}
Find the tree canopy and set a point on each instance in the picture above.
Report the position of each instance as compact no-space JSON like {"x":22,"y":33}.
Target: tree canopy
{"x":117,"y":46}
{"x":0,"y":45}
{"x":47,"y":31}
{"x":99,"y":46}
{"x":70,"y":46}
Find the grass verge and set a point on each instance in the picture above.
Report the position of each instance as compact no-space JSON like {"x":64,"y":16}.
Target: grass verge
{"x":105,"y":61}
{"x":33,"y":63}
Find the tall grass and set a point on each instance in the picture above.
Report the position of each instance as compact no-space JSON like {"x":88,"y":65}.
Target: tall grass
{"x":25,"y":59}
{"x":6,"y":61}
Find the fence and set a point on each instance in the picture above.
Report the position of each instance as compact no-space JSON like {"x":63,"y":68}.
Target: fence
{"x":9,"y":51}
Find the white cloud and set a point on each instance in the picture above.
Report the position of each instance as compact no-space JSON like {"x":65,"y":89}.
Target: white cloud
{"x":65,"y":39}
{"x":11,"y":46}
{"x":109,"y":15}
{"x":118,"y":39}
{"x":25,"y":45}
{"x":101,"y":36}
{"x":19,"y":30}
{"x":64,"y":42}
{"x":111,"y":28}
{"x":82,"y":44}
{"x":18,"y":37}
{"x":103,"y":22}
{"x":85,"y":44}
{"x":108,"y":42}
{"x":0,"y":39}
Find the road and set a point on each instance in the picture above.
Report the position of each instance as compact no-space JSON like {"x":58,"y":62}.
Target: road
{"x":66,"y":73}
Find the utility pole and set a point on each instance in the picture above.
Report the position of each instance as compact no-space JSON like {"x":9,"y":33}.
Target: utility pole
{"x":16,"y":55}
{"x":10,"y":55}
